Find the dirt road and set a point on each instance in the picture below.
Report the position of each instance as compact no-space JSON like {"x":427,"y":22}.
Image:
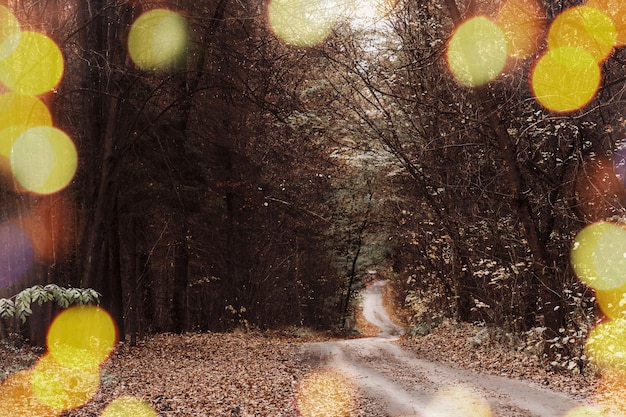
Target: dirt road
{"x":397,"y":383}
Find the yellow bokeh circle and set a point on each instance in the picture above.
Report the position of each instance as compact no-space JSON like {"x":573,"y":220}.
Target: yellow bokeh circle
{"x":35,"y":66}
{"x":19,"y":109}
{"x":606,"y":345}
{"x":63,"y":388}
{"x":17,"y":398}
{"x":302,"y":22}
{"x":584,"y":27}
{"x":127,"y":407}
{"x":616,"y":10}
{"x":598,"y":256}
{"x":584,"y":411}
{"x":81,"y":337}
{"x":9,"y":32}
{"x":458,"y":401}
{"x":324,"y":393}
{"x":477,"y":51}
{"x":43,"y":159}
{"x":612,"y":302}
{"x":565,"y":79}
{"x":158,"y":39}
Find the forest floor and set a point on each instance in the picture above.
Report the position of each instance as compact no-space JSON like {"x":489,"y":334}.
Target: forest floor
{"x":298,"y":373}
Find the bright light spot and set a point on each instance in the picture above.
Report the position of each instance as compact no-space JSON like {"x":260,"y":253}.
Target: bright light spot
{"x":43,"y":159}
{"x":9,"y":32}
{"x":598,"y":256}
{"x":62,"y":388}
{"x":16,"y":254}
{"x":81,"y":337}
{"x":565,"y":79}
{"x":363,"y":13}
{"x":303,"y":22}
{"x":158,"y":39}
{"x":612,"y":302}
{"x":35,"y":66}
{"x":324,"y":394}
{"x":583,"y":27}
{"x":22,"y":110}
{"x":584,"y":411}
{"x":458,"y":402}
{"x":17,"y":398}
{"x":616,"y":9}
{"x":606,"y":344}
{"x":477,"y":52}
{"x":522,"y":23}
{"x":127,"y":407}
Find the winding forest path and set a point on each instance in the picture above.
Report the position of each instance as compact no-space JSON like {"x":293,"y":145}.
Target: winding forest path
{"x":399,"y":383}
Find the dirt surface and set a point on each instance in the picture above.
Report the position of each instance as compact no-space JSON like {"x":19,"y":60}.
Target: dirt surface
{"x":393,"y":381}
{"x":296,"y":373}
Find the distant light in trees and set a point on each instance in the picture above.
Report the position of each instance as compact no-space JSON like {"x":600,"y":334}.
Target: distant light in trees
{"x":457,"y":401}
{"x":43,"y":159}
{"x":565,"y":79}
{"x":63,"y":388}
{"x":35,"y":67}
{"x":9,"y":32}
{"x":303,"y":22}
{"x":158,"y":39}
{"x":583,"y":27}
{"x":598,"y":256}
{"x":606,"y":344}
{"x":477,"y":52}
{"x":81,"y":337}
{"x":129,"y":406}
{"x":523,"y":24}
{"x":16,"y":253}
{"x":17,"y":398}
{"x":324,"y":394}
{"x":367,"y":12}
{"x":616,"y":10}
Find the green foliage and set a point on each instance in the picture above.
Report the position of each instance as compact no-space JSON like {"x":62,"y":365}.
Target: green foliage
{"x":19,"y":305}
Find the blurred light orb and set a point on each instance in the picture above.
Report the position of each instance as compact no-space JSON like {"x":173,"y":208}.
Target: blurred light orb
{"x":17,"y":398}
{"x":565,"y":79}
{"x":22,"y":110}
{"x":616,"y":10}
{"x":612,"y":302}
{"x":606,"y":345}
{"x":35,"y":66}
{"x":81,"y":337}
{"x":584,"y":27}
{"x":457,"y":401}
{"x":63,"y":388}
{"x":303,"y":23}
{"x":158,"y":39}
{"x":16,"y":254}
{"x":127,"y":407}
{"x":477,"y":51}
{"x":324,"y":394}
{"x":9,"y":32}
{"x":522,"y":22}
{"x":598,"y":256}
{"x":584,"y":411}
{"x":43,"y":159}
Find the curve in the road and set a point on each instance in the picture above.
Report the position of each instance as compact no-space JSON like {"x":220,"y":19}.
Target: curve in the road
{"x":404,"y":385}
